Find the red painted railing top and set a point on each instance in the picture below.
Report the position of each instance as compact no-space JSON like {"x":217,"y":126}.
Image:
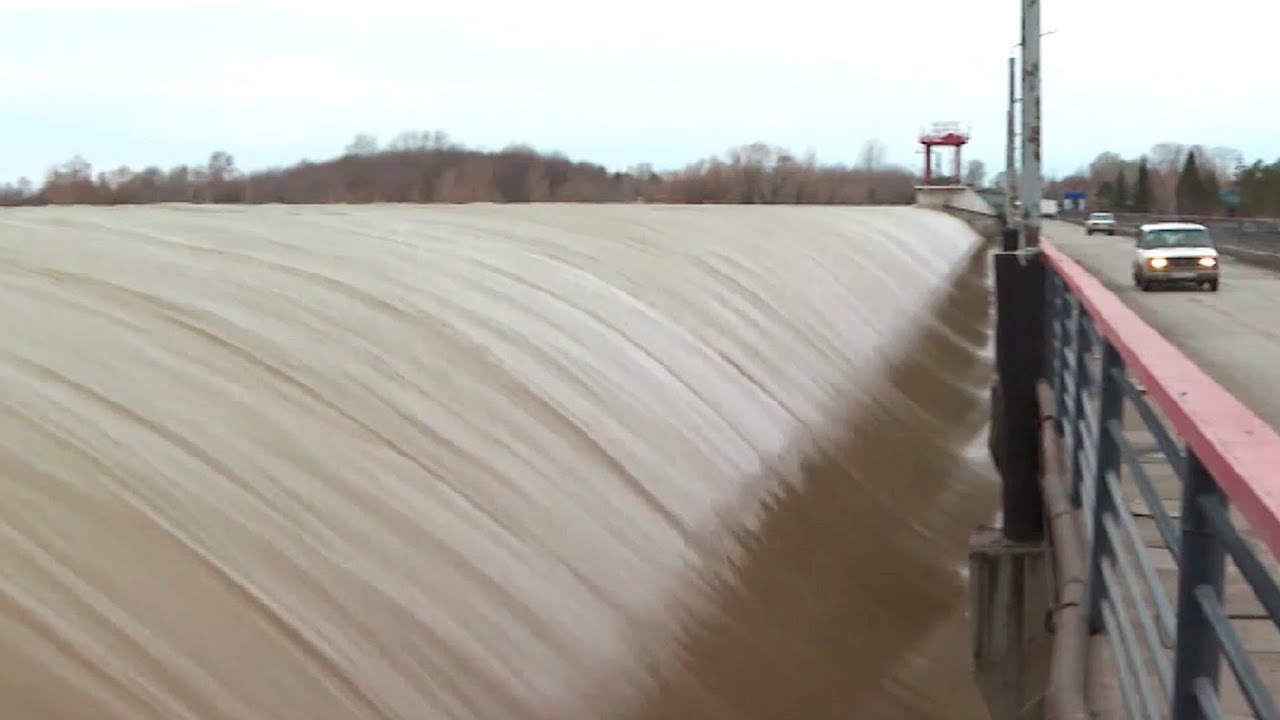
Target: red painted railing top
{"x":1234,"y":444}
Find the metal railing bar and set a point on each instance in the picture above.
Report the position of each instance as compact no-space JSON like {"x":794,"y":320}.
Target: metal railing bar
{"x":1070,"y":303}
{"x":1129,"y":583}
{"x":1083,"y":411}
{"x":1129,"y":644}
{"x":1087,"y":375}
{"x":1095,"y":337}
{"x":1087,"y":490}
{"x":1078,"y":350}
{"x":1208,"y":700}
{"x":1086,"y":500}
{"x":1124,"y":676}
{"x":1087,"y":456}
{"x":1089,"y":416}
{"x":1255,"y":693}
{"x":1069,"y":390}
{"x":1076,"y":365}
{"x":1198,"y":650}
{"x":1058,"y":375}
{"x":1172,"y":452}
{"x":1164,"y":522}
{"x":1163,"y":607}
{"x":1085,"y":423}
{"x":1255,"y":573}
{"x":1069,"y":447}
{"x":1070,"y":361}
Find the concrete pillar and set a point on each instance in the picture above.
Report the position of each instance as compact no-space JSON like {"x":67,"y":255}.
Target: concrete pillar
{"x":1010,"y":595}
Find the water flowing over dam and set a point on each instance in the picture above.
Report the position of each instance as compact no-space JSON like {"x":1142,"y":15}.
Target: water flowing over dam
{"x":489,"y":462}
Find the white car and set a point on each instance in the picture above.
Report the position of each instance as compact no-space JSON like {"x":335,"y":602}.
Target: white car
{"x":1169,"y":253}
{"x":1100,"y":222}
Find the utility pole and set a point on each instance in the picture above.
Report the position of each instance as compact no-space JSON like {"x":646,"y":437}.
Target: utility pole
{"x":1030,"y":189}
{"x":1010,"y":569}
{"x":1011,"y":134}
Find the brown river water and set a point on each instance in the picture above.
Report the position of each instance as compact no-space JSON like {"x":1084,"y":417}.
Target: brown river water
{"x":486,"y":463}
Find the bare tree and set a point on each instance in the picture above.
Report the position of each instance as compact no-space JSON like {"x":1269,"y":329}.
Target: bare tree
{"x":1225,"y":161}
{"x":872,"y":155}
{"x":221,"y":166}
{"x":363,"y":144}
{"x":426,"y":166}
{"x":1168,"y":156}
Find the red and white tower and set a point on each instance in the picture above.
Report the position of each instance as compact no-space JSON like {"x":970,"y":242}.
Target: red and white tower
{"x":943,"y":134}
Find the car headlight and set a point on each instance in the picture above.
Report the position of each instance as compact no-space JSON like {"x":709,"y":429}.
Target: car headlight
{"x":1158,"y":263}
{"x":1208,"y":262}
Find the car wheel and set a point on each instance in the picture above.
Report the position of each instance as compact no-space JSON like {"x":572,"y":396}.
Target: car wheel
{"x":1144,"y":285}
{"x":1213,"y":285}
{"x":1088,"y":231}
{"x":1111,"y":232}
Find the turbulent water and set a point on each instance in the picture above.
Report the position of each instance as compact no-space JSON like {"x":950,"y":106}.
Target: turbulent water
{"x":477,"y":462}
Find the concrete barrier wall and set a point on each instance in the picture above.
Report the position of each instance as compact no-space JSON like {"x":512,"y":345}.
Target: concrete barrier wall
{"x":963,"y":202}
{"x":959,"y":197}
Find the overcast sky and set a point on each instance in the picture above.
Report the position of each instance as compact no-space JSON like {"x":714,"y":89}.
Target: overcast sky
{"x":660,"y":81}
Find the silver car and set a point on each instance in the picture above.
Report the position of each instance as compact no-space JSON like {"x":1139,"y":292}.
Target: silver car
{"x":1100,"y":222}
{"x":1170,"y":253}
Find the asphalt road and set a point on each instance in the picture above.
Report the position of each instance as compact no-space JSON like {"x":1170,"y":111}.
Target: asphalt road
{"x":1233,"y":334}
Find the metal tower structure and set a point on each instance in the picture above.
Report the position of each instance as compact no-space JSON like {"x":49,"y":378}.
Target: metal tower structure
{"x":943,"y":134}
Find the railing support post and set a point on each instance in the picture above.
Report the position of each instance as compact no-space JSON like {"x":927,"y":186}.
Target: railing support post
{"x":1111,"y":406}
{"x":1197,"y":654}
{"x":1080,"y":348}
{"x":1056,"y":324}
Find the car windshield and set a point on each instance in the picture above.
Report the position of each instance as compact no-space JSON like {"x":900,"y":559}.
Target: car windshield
{"x":1102,"y":216}
{"x":1181,"y":237}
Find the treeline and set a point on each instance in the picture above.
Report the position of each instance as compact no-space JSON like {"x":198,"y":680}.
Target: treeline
{"x":428,"y":167}
{"x":1179,"y":179}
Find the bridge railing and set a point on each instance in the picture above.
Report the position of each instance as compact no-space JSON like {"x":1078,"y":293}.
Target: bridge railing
{"x":1106,"y":363}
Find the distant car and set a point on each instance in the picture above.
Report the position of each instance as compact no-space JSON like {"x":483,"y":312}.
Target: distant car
{"x":1100,"y":222}
{"x":1170,"y":253}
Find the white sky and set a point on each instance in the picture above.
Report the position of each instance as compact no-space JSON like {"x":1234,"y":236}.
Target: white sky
{"x":662,"y":81}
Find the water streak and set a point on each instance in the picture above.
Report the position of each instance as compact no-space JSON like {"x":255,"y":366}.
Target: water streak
{"x":488,"y":462}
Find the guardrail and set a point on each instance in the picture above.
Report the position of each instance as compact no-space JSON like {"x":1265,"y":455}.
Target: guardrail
{"x":1255,"y":240}
{"x":1167,"y":652}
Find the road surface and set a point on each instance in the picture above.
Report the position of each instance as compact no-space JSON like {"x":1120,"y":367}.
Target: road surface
{"x":1233,"y":334}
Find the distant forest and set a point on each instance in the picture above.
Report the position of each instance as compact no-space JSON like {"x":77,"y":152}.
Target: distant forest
{"x":428,"y":167}
{"x":1173,"y":178}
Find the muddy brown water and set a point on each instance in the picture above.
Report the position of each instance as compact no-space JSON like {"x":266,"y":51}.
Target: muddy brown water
{"x":478,"y":462}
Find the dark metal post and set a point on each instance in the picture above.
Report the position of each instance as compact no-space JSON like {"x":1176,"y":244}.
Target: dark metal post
{"x":1009,"y":239}
{"x":1111,"y":407}
{"x":1020,"y":346}
{"x":1080,"y":347}
{"x":1197,"y":653}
